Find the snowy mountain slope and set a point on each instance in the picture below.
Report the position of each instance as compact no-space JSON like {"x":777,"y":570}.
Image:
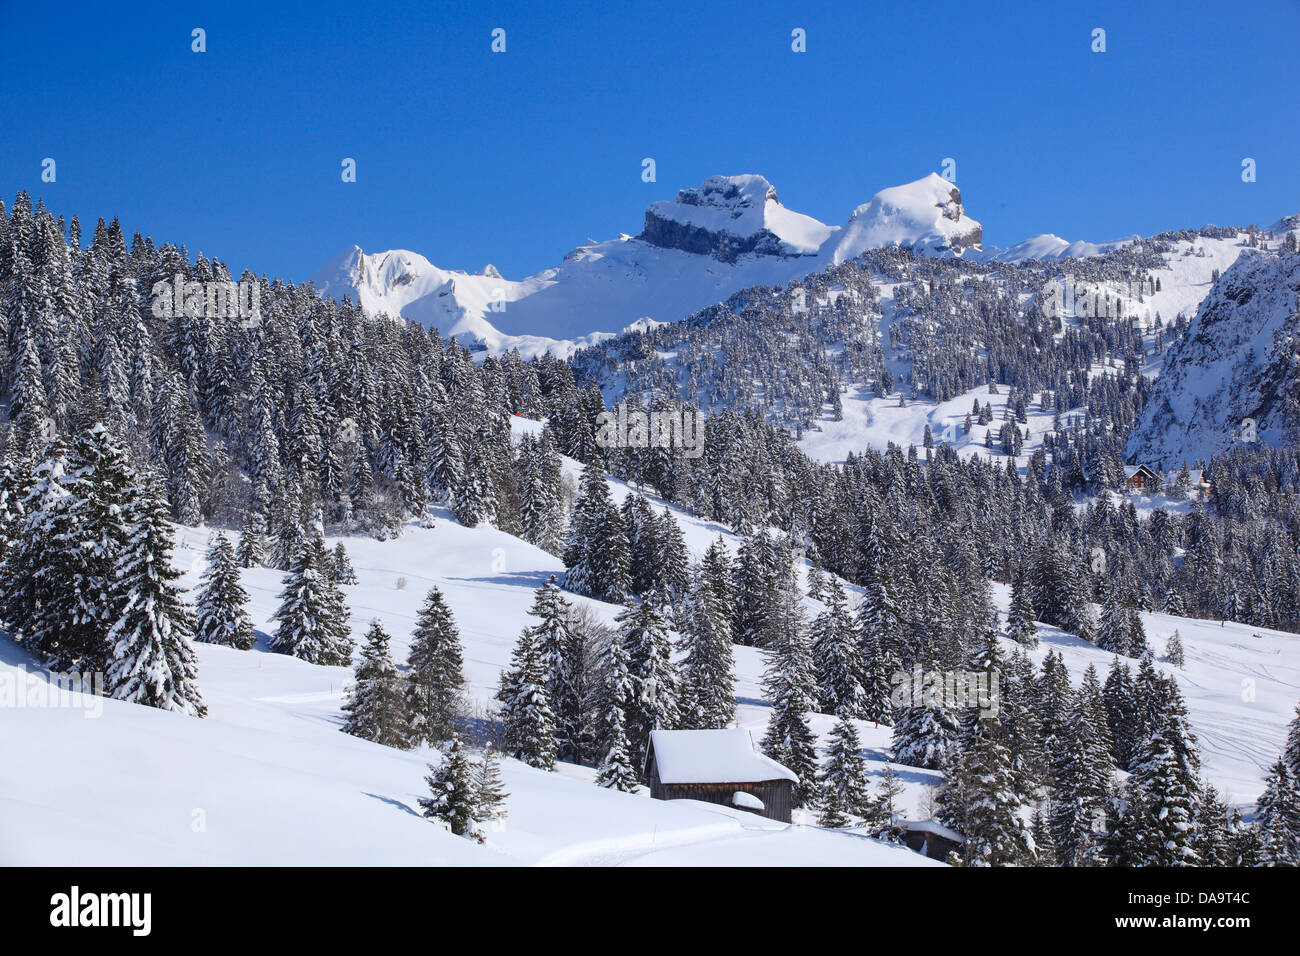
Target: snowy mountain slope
{"x":274,"y":781}
{"x":1236,"y":363}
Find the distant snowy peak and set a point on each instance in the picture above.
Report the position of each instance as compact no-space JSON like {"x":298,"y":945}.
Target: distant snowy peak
{"x":730,"y":216}
{"x":1050,"y":246}
{"x":926,"y":216}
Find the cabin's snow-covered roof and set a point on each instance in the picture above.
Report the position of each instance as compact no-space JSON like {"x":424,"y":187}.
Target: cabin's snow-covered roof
{"x":712,"y":756}
{"x":932,"y":826}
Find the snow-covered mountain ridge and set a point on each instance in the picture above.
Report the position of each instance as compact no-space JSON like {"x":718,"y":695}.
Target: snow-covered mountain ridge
{"x":728,"y":234}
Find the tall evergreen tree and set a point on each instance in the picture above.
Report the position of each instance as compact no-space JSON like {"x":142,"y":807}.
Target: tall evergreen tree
{"x":435,"y":685}
{"x":313,"y":617}
{"x":152,"y":661}
{"x":375,"y":705}
{"x":222,"y":618}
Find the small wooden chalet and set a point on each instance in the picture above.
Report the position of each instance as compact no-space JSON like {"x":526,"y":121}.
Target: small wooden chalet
{"x":929,"y":838}
{"x":718,"y":766}
{"x":1142,"y":479}
{"x":1198,"y":482}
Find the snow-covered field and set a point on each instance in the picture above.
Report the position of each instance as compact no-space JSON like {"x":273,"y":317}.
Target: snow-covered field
{"x":267,"y":778}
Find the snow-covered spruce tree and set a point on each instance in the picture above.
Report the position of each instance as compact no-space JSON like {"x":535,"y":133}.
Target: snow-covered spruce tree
{"x":978,"y":799}
{"x":313,"y":617}
{"x":542,"y":496}
{"x":66,"y":535}
{"x":152,"y":661}
{"x":563,"y":663}
{"x":642,"y":532}
{"x":1163,"y":805}
{"x":882,"y":806}
{"x":643,"y":632}
{"x":453,"y":799}
{"x":341,"y":571}
{"x":671,"y":575}
{"x":1121,"y":713}
{"x":791,"y":685}
{"x":436,"y":681}
{"x":616,"y":769}
{"x":221,"y":599}
{"x":252,"y":540}
{"x":925,"y":730}
{"x":880,"y":635}
{"x":843,"y":780}
{"x":596,"y":551}
{"x":1292,"y":752}
{"x":489,"y":792}
{"x":1174,"y":650}
{"x":1082,"y":771}
{"x":1020,"y":619}
{"x":1113,"y":635}
{"x":529,"y":722}
{"x":1277,"y":818}
{"x":836,"y":656}
{"x":375,"y":705}
{"x":708,"y":696}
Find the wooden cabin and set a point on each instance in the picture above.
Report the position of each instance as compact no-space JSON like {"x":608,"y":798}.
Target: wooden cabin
{"x":929,"y":838}
{"x":1142,"y":480}
{"x":718,"y":766}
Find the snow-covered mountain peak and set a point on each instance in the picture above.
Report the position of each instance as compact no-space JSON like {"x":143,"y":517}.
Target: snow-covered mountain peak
{"x":729,"y":216}
{"x":925,"y":215}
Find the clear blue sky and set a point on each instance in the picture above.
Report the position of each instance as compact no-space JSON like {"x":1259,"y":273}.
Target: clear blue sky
{"x":471,"y":157}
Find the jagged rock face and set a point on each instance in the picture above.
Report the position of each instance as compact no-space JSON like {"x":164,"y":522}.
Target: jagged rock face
{"x":728,"y":217}
{"x":670,"y":234}
{"x":952,"y":210}
{"x":1235,"y":375}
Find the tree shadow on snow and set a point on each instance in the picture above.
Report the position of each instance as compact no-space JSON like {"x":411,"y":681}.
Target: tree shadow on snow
{"x":393,"y":803}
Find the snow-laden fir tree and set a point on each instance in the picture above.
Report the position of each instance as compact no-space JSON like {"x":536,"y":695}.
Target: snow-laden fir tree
{"x":563,"y":656}
{"x":616,"y":769}
{"x":341,"y":571}
{"x":671,"y":575}
{"x":436,"y":680}
{"x":596,"y":551}
{"x":490,"y":793}
{"x":1020,"y":619}
{"x":643,"y":632}
{"x":708,"y":696}
{"x":1292,"y":752}
{"x":1163,"y":803}
{"x":1081,"y":768}
{"x":375,"y":705}
{"x":313,"y":616}
{"x":836,"y":656}
{"x":1277,"y":818}
{"x":925,"y":730}
{"x":1121,"y":713}
{"x":529,"y":722}
{"x":542,"y":495}
{"x":152,"y":660}
{"x":843,"y":779}
{"x":978,"y":799}
{"x":252,"y":540}
{"x":790,"y":683}
{"x":453,"y":799}
{"x":220,"y":611}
